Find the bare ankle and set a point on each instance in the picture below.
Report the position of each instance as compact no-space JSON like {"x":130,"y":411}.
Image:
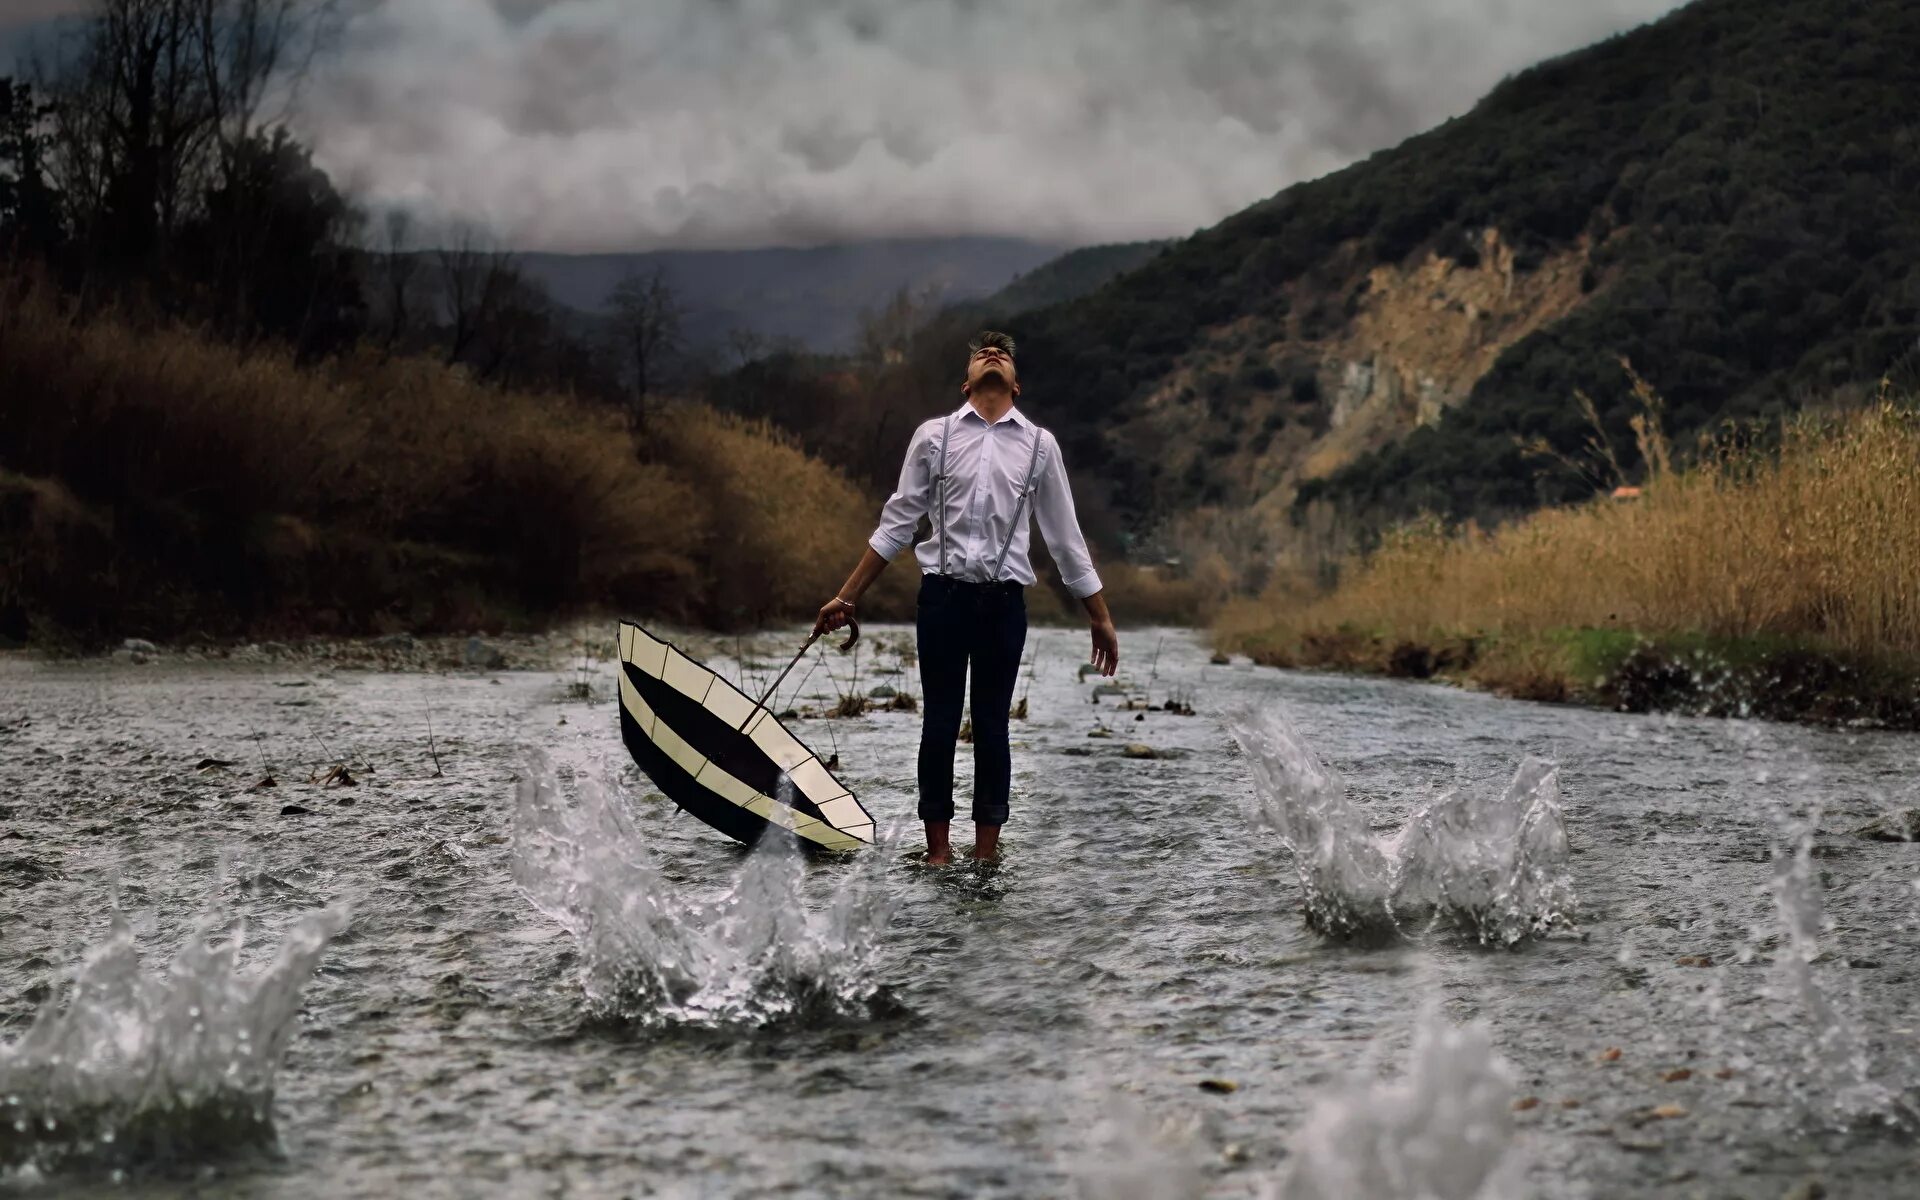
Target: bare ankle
{"x":939,"y":844}
{"x":986,"y":842}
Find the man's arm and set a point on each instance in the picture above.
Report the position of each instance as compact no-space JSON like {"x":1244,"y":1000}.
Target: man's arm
{"x":1060,"y":526}
{"x":898,"y":518}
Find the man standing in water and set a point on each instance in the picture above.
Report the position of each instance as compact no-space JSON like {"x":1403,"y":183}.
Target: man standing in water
{"x":978,"y":473}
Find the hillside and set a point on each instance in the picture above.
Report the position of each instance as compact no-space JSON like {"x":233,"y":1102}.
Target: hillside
{"x":1068,"y":277}
{"x":1729,"y":198}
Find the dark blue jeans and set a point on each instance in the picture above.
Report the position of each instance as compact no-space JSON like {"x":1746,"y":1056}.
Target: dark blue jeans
{"x":960,"y":623}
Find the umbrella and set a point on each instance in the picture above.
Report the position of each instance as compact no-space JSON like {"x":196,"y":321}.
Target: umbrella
{"x":725,"y":757}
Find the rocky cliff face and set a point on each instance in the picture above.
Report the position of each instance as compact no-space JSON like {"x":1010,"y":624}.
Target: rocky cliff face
{"x":1424,"y":334}
{"x":1347,"y":361}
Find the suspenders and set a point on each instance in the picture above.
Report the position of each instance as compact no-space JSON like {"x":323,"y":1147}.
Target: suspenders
{"x":942,"y":481}
{"x":1019,"y":507}
{"x":940,"y":492}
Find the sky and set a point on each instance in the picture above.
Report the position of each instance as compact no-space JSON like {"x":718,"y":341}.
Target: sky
{"x":642,"y":124}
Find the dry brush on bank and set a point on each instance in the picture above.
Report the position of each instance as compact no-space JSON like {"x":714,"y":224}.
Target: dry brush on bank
{"x":154,"y":481}
{"x":1811,"y":547}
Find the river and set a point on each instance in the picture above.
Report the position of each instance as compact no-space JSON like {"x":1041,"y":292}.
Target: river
{"x":1130,"y":1006}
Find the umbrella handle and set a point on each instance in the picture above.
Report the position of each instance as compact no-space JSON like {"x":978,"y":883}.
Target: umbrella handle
{"x":853,"y":636}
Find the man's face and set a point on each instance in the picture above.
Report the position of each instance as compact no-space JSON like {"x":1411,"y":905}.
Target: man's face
{"x":989,"y":364}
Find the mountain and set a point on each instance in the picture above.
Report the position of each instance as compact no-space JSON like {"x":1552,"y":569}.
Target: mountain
{"x":1069,"y":277}
{"x":816,"y":296}
{"x":1729,"y":198}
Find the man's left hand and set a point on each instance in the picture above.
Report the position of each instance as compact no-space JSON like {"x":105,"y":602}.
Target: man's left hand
{"x":1106,"y":647}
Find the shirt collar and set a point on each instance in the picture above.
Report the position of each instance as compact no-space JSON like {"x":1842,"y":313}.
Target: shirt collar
{"x":1012,"y":414}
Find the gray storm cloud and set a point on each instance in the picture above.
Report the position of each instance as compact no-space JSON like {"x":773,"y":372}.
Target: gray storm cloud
{"x":632,"y":124}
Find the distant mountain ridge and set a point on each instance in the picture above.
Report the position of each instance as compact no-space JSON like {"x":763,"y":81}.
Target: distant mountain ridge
{"x":1072,"y":275}
{"x":1729,"y":198}
{"x":813,"y":295}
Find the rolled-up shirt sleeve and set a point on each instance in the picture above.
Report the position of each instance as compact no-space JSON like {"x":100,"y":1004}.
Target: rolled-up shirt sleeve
{"x":1060,"y":526}
{"x":901,"y":514}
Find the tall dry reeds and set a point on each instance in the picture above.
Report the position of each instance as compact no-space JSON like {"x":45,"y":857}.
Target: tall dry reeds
{"x":157,"y":482}
{"x":780,"y":531}
{"x":1818,"y":541}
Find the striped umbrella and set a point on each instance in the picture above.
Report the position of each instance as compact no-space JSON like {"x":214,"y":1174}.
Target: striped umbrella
{"x":723,"y":756}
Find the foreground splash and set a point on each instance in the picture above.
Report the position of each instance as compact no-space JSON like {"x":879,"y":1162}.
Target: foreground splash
{"x":1801,"y":1043}
{"x":1445,"y":1132}
{"x":1129,"y":1156}
{"x":755,"y":955}
{"x":138,"y":1069}
{"x":1495,"y":867}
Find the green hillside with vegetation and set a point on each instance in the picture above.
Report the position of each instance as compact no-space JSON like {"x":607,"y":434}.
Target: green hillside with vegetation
{"x":1739,"y":185}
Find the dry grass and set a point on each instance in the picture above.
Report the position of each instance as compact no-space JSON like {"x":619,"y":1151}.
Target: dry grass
{"x":1819,"y":542}
{"x":781,"y":530}
{"x":1146,"y":595}
{"x":155,"y":482}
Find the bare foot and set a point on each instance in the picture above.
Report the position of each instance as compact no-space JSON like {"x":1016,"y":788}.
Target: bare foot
{"x":939,"y":844}
{"x":986,"y":843}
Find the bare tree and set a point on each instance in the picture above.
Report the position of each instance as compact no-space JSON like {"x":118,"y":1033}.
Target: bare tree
{"x":646,"y":319}
{"x":251,"y":51}
{"x":160,"y":102}
{"x":515,"y":328}
{"x":746,"y":345}
{"x":475,"y":280}
{"x":885,"y":335}
{"x":132,"y":121}
{"x":396,"y":267}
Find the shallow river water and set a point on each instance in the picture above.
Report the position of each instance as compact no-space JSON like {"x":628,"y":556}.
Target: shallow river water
{"x":1131,"y":1006}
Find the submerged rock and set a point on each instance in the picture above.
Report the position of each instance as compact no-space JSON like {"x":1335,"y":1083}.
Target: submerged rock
{"x":478,"y":654}
{"x":1900,"y":825}
{"x":25,"y":872}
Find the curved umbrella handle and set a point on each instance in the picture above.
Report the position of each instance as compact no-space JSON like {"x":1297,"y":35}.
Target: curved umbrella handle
{"x":853,"y":635}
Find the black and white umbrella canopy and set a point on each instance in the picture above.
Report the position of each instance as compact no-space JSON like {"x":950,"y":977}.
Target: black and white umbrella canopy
{"x":720,"y":756}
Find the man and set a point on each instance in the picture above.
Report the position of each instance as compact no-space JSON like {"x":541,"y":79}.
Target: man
{"x":978,"y":473}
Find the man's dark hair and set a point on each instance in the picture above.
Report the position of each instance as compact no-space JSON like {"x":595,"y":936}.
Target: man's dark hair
{"x":988,"y":337}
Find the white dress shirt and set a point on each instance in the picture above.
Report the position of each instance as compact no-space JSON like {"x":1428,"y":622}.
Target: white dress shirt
{"x":987,"y":469}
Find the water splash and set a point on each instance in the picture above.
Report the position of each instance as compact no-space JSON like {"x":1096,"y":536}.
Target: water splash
{"x":144,"y":1069}
{"x":1833,"y":1077}
{"x":1496,"y":867}
{"x":754,"y":955}
{"x":1130,"y":1156}
{"x":1445,"y":1132}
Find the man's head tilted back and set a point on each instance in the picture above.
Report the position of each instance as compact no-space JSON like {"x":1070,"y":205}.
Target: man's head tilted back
{"x":990,"y":364}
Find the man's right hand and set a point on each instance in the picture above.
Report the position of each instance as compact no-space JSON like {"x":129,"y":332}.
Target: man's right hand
{"x":833,"y":614}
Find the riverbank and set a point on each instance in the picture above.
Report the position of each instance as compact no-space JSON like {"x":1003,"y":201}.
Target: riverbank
{"x":1775,"y":680}
{"x":1781,"y":583}
{"x":157,"y":483}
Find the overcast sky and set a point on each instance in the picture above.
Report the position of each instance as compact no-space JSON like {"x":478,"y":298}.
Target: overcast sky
{"x":616,"y":124}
